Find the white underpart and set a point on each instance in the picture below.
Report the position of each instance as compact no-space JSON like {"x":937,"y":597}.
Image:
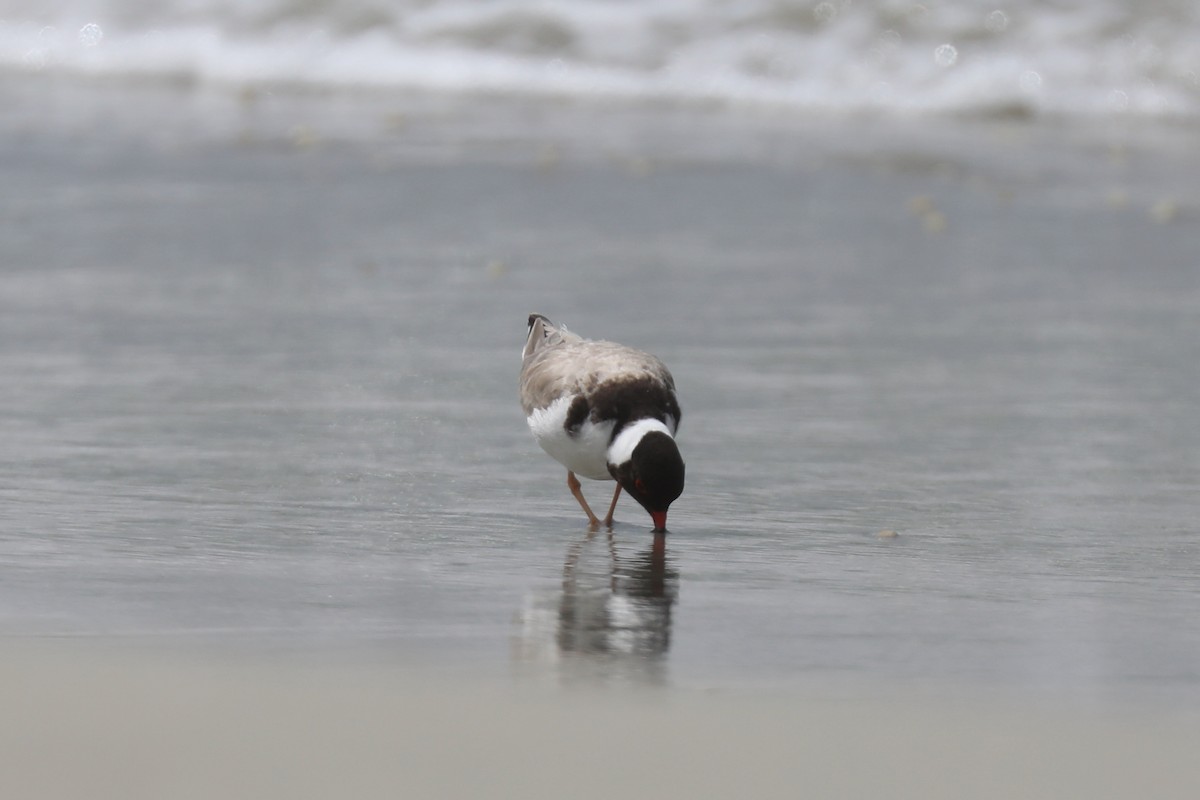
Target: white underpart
{"x":585,"y":452}
{"x":629,"y":437}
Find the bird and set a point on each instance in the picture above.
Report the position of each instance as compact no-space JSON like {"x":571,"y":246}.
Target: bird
{"x":604,"y":411}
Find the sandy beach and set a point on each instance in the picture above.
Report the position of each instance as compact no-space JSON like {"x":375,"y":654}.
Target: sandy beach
{"x":267,"y":493}
{"x":105,"y":725}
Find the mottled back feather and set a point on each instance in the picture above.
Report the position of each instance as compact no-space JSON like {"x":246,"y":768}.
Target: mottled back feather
{"x":557,"y":362}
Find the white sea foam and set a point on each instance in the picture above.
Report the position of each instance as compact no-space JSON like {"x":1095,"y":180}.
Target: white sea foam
{"x":1010,"y":56}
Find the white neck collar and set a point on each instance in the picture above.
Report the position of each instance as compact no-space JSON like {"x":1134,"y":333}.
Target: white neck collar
{"x":621,"y":449}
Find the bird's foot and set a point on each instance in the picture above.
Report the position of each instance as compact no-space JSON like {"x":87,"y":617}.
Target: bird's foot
{"x":612,"y":507}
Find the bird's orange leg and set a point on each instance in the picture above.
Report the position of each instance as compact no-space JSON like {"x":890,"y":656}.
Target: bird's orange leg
{"x":574,"y":486}
{"x":612,"y":507}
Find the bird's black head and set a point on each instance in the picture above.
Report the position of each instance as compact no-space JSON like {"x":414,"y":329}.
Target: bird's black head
{"x":653,"y":475}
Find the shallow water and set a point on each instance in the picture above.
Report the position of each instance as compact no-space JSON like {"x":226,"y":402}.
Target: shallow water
{"x":264,"y":397}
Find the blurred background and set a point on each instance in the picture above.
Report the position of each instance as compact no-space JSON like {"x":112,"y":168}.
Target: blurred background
{"x":972,"y":58}
{"x":927,"y":275}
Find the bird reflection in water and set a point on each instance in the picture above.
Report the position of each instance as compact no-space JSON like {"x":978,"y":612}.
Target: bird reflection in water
{"x":611,"y":622}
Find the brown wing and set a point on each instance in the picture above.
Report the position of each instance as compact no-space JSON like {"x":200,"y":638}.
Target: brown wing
{"x":581,"y":366}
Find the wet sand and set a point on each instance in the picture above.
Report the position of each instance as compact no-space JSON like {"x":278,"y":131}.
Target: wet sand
{"x":259,"y":360}
{"x":82,"y":723}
